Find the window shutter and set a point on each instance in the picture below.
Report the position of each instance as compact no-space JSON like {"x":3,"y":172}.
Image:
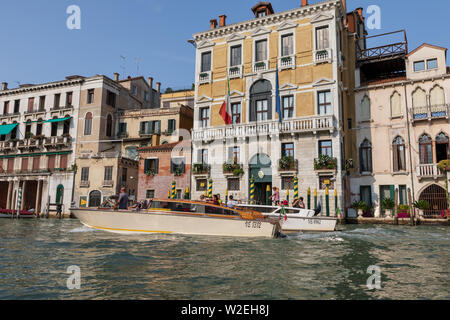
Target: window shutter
{"x":156,"y":165}
{"x":146,"y":165}
{"x":395,"y":157}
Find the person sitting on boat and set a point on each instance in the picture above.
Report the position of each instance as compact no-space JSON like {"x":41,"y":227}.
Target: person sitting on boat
{"x":215,"y":200}
{"x":123,"y":200}
{"x":202,"y":198}
{"x":231,"y":203}
{"x":298,"y":203}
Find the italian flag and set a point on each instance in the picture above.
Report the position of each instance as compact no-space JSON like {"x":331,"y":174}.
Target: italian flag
{"x":225,"y":110}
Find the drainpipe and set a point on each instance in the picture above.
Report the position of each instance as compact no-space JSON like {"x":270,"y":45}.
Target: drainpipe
{"x":410,"y":146}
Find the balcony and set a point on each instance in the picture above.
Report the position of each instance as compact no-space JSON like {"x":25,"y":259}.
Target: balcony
{"x":35,"y":111}
{"x":291,"y":126}
{"x":201,"y":169}
{"x":325,"y":163}
{"x":147,"y":134}
{"x":85,"y":184}
{"x":31,"y":143}
{"x":287,"y":164}
{"x":6,"y":146}
{"x":108,"y":183}
{"x":323,"y":56}
{"x":287,"y":62}
{"x":122,"y":135}
{"x":429,"y":171}
{"x":235,"y":72}
{"x":430,"y":112}
{"x":57,"y":142}
{"x":235,"y":169}
{"x":205,"y":77}
{"x":261,"y":66}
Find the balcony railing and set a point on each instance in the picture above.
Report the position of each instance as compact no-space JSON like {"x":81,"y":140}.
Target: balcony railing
{"x":40,"y":110}
{"x":29,"y":143}
{"x":299,"y":125}
{"x":59,"y":141}
{"x":287,"y":62}
{"x":235,"y":72}
{"x":200,"y":168}
{"x":430,"y":112}
{"x":323,"y":56}
{"x":85,"y":184}
{"x":149,"y":133}
{"x":108,"y":183}
{"x":261,"y":66}
{"x":428,"y":171}
{"x":8,"y":145}
{"x":205,"y":77}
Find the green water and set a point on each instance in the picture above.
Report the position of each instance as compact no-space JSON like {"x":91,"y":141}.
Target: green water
{"x":35,"y":255}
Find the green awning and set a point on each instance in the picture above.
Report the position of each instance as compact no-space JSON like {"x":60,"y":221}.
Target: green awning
{"x":7,"y":128}
{"x":57,"y":120}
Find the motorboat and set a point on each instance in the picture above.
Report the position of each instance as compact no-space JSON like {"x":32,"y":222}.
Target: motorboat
{"x":295,"y":219}
{"x":181,"y":217}
{"x":4,"y":213}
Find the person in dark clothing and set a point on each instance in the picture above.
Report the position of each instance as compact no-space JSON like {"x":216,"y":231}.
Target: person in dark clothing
{"x":123,"y":200}
{"x":298,"y":203}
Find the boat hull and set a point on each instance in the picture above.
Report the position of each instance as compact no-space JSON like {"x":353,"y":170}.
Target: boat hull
{"x":296,"y":223}
{"x":127,"y":222}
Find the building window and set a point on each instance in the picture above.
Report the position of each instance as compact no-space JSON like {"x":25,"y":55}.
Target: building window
{"x":288,"y":107}
{"x":236,"y":56}
{"x":151,"y":127}
{"x":419,"y":66}
{"x":365,"y":156}
{"x":234,"y":184}
{"x":322,"y":38}
{"x":30,"y":105}
{"x":236,"y":113}
{"x":171,"y":125}
{"x":51,"y":163}
{"x":88,"y":124}
{"x":108,"y":174}
{"x":177,"y":165}
{"x":326,"y":181}
{"x":234,"y":155}
{"x":432,"y":64}
{"x":54,"y":128}
{"x":69,"y":96}
{"x":287,"y":183}
{"x":399,"y":154}
{"x":324,"y":102}
{"x":261,"y":14}
{"x":262,"y":110}
{"x":261,"y":50}
{"x":442,"y":147}
{"x":6,"y":108}
{"x":122,"y":128}
{"x":85,"y":174}
{"x":109,"y":126}
{"x":287,"y":45}
{"x":201,"y":184}
{"x":396,"y":105}
{"x":66,"y":127}
{"x":425,"y":150}
{"x":110,"y":98}
{"x":326,"y":148}
{"x":287,"y":150}
{"x":150,"y":194}
{"x":366,"y":195}
{"x":204,"y":117}
{"x":151,"y":166}
{"x":36,"y":163}
{"x":16,"y":106}
{"x":90,"y":96}
{"x":365,"y":109}
{"x":57,"y":101}
{"x":95,"y":199}
{"x":206,"y":62}
{"x":41,"y":103}
{"x":134,"y":90}
{"x":203,"y":156}
{"x":403,"y":197}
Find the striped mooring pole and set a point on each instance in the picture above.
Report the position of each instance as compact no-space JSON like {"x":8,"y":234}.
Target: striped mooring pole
{"x":335,"y":202}
{"x":210,"y":188}
{"x":287,"y":197}
{"x":19,"y":201}
{"x":295,"y":187}
{"x":174,"y":190}
{"x":226,"y":196}
{"x":315,"y":198}
{"x":268,"y":195}
{"x":327,"y":201}
{"x":252,"y":190}
{"x":169,"y":194}
{"x":186,"y":194}
{"x":309,"y":199}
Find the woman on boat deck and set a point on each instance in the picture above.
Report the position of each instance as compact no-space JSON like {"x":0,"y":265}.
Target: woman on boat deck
{"x":275,"y":197}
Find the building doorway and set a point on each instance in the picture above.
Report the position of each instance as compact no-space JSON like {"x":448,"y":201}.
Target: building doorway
{"x":436,"y":196}
{"x":60,"y":194}
{"x":95,"y":199}
{"x":261,"y":172}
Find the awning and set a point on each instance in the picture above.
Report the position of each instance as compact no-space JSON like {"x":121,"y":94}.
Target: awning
{"x":57,"y":120}
{"x":7,"y":128}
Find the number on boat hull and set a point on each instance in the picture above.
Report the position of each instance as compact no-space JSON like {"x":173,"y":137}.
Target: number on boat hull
{"x":253,"y":224}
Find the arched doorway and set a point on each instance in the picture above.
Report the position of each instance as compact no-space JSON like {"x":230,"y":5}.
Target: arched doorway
{"x":95,"y":199}
{"x":261,"y":171}
{"x":436,"y":196}
{"x":261,"y":101}
{"x":60,"y":194}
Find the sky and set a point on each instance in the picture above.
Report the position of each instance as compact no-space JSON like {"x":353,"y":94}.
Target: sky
{"x":149,"y":37}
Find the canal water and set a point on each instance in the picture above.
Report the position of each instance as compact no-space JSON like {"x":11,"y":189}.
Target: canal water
{"x":35,"y":256}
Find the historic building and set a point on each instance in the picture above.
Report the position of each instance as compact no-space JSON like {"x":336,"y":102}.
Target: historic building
{"x":402,"y":126}
{"x":310,"y":50}
{"x":38,"y":135}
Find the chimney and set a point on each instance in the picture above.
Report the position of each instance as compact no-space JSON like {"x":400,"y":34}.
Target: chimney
{"x":158,"y":87}
{"x":360,"y":12}
{"x":223,"y":20}
{"x":116,"y":77}
{"x":304,"y":3}
{"x":150,"y":82}
{"x":4,"y":86}
{"x":213,"y":24}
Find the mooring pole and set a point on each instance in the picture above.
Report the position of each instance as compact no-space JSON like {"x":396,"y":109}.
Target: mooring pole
{"x":396,"y":207}
{"x":412,"y":211}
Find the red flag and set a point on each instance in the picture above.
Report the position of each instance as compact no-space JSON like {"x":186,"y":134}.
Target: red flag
{"x":225,"y":110}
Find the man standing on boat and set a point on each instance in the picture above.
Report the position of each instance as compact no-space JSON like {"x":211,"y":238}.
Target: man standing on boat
{"x":123,"y":200}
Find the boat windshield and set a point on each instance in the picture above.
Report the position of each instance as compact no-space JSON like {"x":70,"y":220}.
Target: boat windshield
{"x":192,"y":207}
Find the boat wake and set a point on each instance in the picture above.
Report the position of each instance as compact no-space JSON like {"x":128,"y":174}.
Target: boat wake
{"x":83,"y":229}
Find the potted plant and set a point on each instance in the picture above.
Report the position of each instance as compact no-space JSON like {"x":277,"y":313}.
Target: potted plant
{"x":421,"y":205}
{"x":150,"y":173}
{"x":29,"y":135}
{"x":286,"y":163}
{"x":388,"y":205}
{"x":260,"y":65}
{"x":444,"y":165}
{"x":325,"y":162}
{"x":238,"y":171}
{"x":177,"y":173}
{"x":286,"y":59}
{"x":360,"y":207}
{"x":403,"y":211}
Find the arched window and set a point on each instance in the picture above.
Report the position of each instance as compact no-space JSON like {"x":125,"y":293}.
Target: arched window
{"x":365,"y":156}
{"x":66,"y":127}
{"x":14,"y":132}
{"x":95,"y":199}
{"x":396,"y":105}
{"x":54,"y":131}
{"x":60,"y":194}
{"x":3,"y":137}
{"x":39,"y":127}
{"x":420,"y":108}
{"x":442,"y":147}
{"x":365,"y":109}
{"x":88,"y":124}
{"x":109,"y":125}
{"x":399,"y":154}
{"x":261,"y":101}
{"x":425,"y":149}
{"x":437,"y":102}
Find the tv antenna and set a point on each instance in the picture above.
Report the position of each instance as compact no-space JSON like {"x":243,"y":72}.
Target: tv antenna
{"x":123,"y":66}
{"x":137,"y":66}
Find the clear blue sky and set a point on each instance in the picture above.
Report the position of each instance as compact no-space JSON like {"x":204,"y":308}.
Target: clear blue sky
{"x":37,"y":46}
